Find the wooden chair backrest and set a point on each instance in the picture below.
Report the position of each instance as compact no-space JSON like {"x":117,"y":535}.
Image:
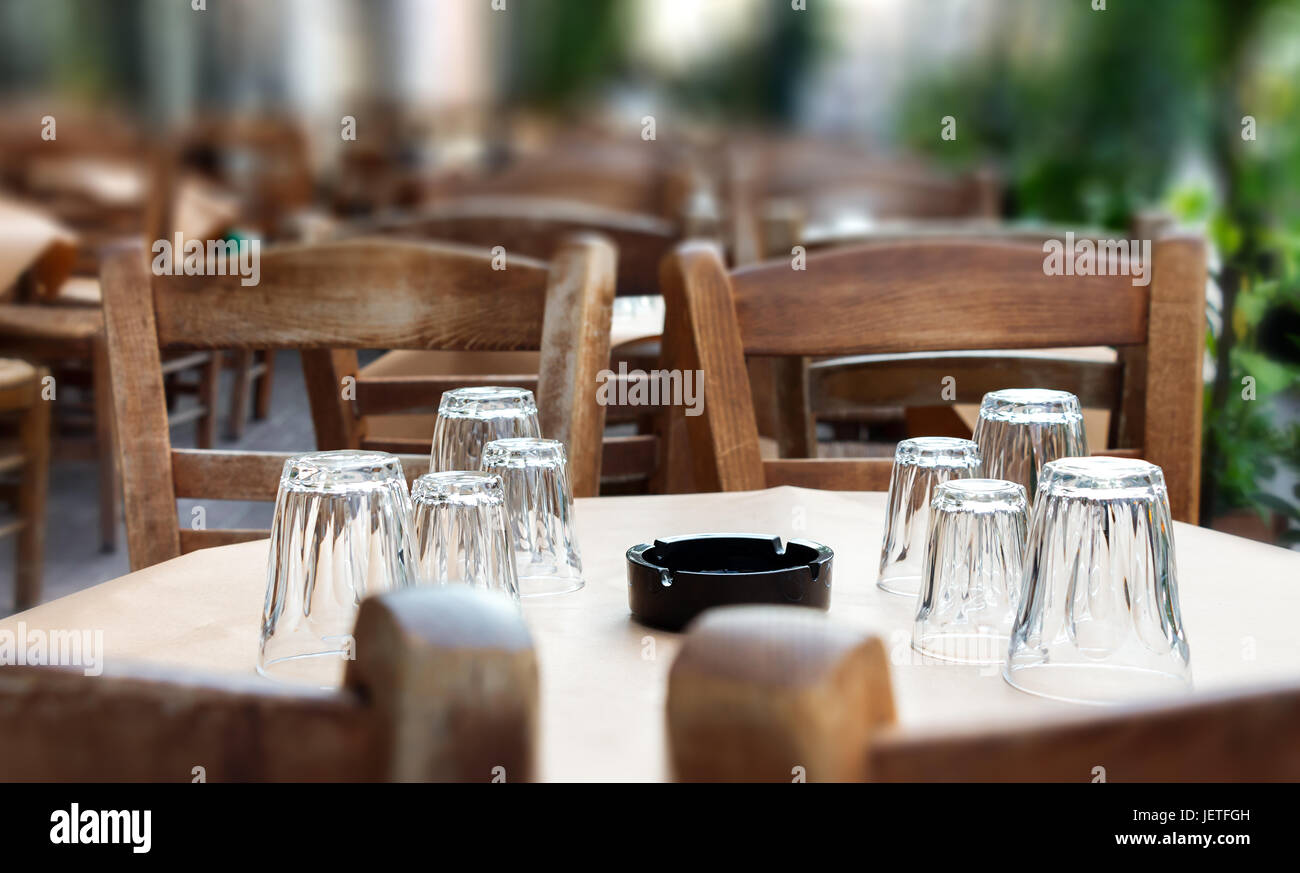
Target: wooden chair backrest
{"x":443,"y":687}
{"x":365,"y":293}
{"x":843,"y":387}
{"x":615,"y":180}
{"x":748,"y":692}
{"x":922,"y":297}
{"x":535,"y":227}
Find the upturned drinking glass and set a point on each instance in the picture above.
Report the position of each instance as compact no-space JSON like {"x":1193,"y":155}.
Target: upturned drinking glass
{"x":470,"y":418}
{"x":1021,"y":429}
{"x":1099,"y":619}
{"x":539,"y":512}
{"x":970,"y":585}
{"x":920,"y":465}
{"x":341,"y":532}
{"x":460,"y":531}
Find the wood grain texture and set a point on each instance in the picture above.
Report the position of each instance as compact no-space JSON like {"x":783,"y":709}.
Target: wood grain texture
{"x":702,"y":333}
{"x":575,"y":348}
{"x":1175,"y":356}
{"x":34,"y":439}
{"x":767,"y":693}
{"x":333,"y":415}
{"x":832,"y":474}
{"x":452,"y":675}
{"x":841,"y":385}
{"x":444,"y":687}
{"x":140,"y":409}
{"x":1019,"y":311}
{"x":930,"y":295}
{"x":365,"y":293}
{"x":381,"y":395}
{"x":247,"y":475}
{"x":1242,"y":736}
{"x":329,"y":300}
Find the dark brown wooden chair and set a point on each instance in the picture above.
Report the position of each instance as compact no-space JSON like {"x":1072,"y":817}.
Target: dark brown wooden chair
{"x":922,"y":297}
{"x":24,"y":473}
{"x":328,"y":301}
{"x":443,"y":688}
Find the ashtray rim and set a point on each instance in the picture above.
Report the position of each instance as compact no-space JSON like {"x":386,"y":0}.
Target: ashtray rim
{"x":673,"y":605}
{"x":636,"y":554}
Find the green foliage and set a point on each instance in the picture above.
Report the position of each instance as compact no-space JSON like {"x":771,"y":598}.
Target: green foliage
{"x":1110,"y":124}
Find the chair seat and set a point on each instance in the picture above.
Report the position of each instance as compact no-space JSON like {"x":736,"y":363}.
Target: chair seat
{"x":15,"y":372}
{"x":50,"y":322}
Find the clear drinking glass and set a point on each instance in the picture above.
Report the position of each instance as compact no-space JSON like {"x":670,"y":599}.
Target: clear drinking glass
{"x":539,"y":511}
{"x":970,"y":586}
{"x":1021,"y":429}
{"x":341,"y":532}
{"x":470,"y":418}
{"x":920,"y":465}
{"x":1099,"y":619}
{"x":459,"y":528}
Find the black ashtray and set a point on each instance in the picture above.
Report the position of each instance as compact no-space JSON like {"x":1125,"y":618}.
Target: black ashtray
{"x":672,"y":580}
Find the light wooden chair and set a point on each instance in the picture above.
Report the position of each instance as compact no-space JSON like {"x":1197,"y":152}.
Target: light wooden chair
{"x":20,"y":397}
{"x":898,"y":392}
{"x":329,"y":300}
{"x":531,"y":227}
{"x":922,"y":297}
{"x":443,"y":688}
{"x":756,"y":692}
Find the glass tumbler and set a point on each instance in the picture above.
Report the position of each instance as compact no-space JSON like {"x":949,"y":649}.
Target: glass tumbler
{"x":970,"y":585}
{"x":920,"y":465}
{"x":539,"y":512}
{"x":1021,"y":429}
{"x":470,"y":418}
{"x":460,"y":534}
{"x":1099,"y":619}
{"x":341,"y":532}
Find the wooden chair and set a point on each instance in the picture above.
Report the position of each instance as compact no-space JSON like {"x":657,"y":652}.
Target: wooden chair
{"x":898,"y":392}
{"x":20,"y":396}
{"x":329,"y":300}
{"x":534,"y":228}
{"x":443,"y":688}
{"x":922,"y":296}
{"x":785,"y":192}
{"x":755,"y":692}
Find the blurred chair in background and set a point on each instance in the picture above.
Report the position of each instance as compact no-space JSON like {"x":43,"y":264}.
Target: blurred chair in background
{"x":24,"y":472}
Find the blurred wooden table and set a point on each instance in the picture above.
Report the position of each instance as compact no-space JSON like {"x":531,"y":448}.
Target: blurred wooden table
{"x":604,"y":676}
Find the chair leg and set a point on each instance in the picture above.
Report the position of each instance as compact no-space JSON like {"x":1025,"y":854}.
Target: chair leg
{"x":110,"y":480}
{"x":796,"y":428}
{"x":238,"y":415}
{"x":35,"y":436}
{"x":262,"y":398}
{"x":209,"y":385}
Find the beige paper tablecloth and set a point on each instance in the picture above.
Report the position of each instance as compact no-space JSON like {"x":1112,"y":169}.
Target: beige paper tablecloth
{"x":604,"y":676}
